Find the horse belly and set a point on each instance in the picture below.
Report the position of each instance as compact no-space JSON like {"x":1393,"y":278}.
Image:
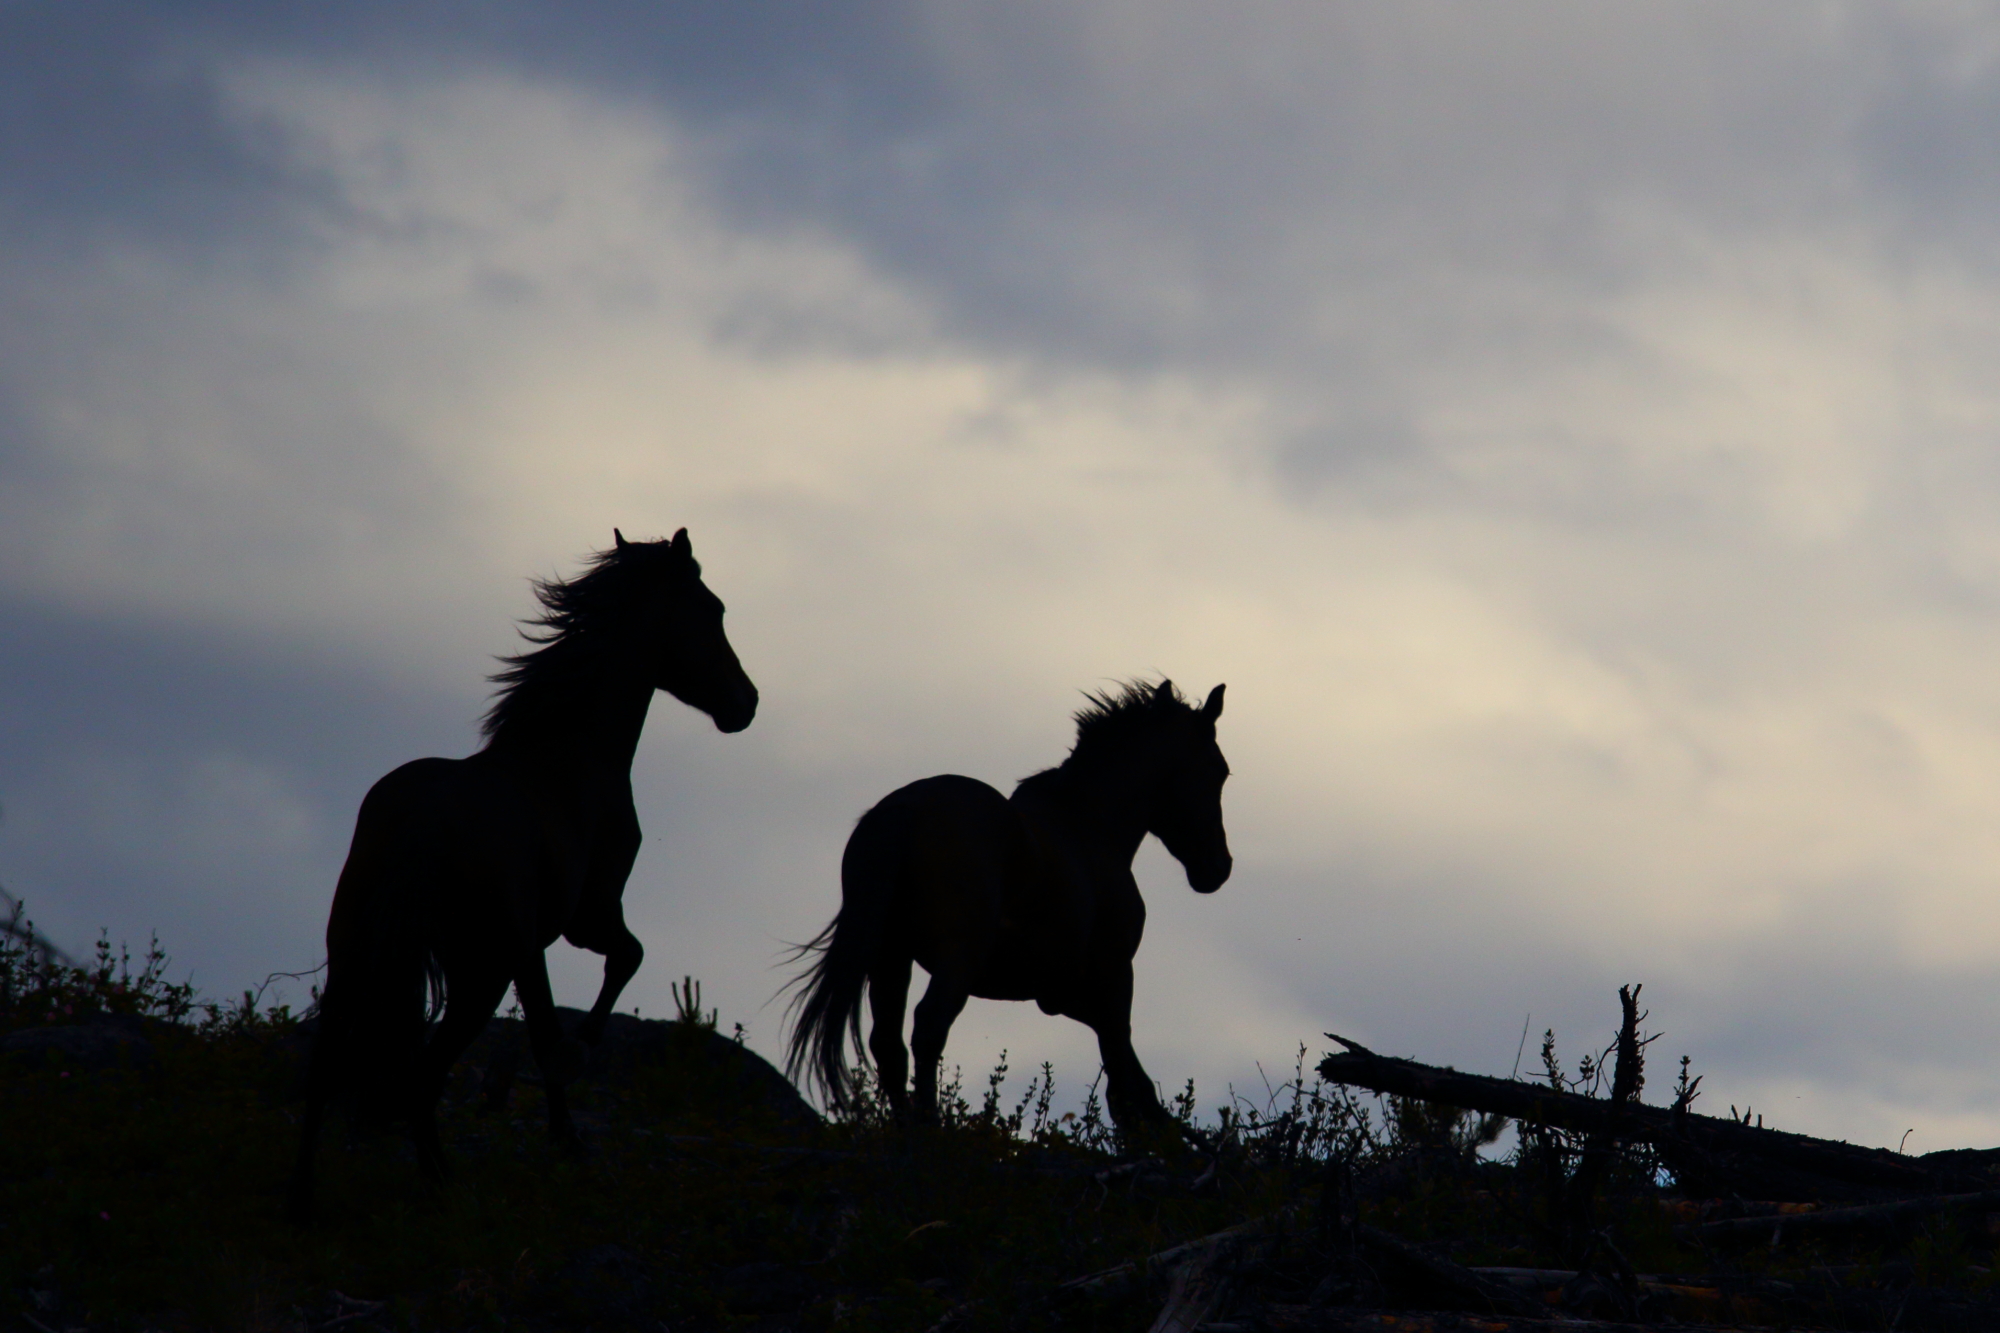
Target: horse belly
{"x":465,"y":852}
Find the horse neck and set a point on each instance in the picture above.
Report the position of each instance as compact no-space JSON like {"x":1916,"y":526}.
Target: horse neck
{"x":1108,"y":798}
{"x":590,"y":721}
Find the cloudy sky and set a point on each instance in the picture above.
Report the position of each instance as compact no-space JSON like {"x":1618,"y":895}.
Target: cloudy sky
{"x":1571,"y":431}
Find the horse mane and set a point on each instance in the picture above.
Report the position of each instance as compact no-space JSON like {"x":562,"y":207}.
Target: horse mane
{"x":572,"y":635}
{"x":1114,"y":718}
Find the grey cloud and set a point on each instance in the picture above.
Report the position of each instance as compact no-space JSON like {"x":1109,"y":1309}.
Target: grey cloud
{"x":189,"y":779}
{"x":110,"y":126}
{"x":1418,"y":238}
{"x":1251,"y":193}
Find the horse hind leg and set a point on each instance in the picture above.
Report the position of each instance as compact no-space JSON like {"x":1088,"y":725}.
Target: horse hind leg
{"x":888,"y":991}
{"x":319,"y":1091}
{"x":944,"y":1000}
{"x":469,"y":1005}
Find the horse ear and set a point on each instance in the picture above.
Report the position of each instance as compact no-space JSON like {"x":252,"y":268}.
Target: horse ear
{"x":680,"y":545}
{"x":1163,"y":693}
{"x":1213,"y":708}
{"x":619,"y":538}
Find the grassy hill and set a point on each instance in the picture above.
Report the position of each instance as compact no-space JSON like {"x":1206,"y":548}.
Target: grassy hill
{"x":148,"y":1136}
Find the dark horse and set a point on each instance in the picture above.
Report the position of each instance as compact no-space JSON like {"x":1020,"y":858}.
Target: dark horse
{"x":462,"y":871}
{"x":1029,"y":898}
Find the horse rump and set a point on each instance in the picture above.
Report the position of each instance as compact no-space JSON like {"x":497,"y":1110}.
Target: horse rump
{"x":385,"y":989}
{"x":371,"y":1024}
{"x":827,"y":1007}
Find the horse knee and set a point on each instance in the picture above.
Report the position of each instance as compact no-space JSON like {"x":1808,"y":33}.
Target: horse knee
{"x":626,"y":954}
{"x":1128,"y":1092}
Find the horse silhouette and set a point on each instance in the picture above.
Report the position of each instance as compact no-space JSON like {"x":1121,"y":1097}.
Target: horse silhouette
{"x":1028,"y":898}
{"x":463,"y":871}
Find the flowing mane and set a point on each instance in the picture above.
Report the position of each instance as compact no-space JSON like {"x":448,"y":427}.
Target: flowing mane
{"x":575,"y":629}
{"x":1113,"y":719}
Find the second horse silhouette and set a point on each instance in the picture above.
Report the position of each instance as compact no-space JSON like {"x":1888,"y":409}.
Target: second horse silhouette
{"x":1022,"y":898}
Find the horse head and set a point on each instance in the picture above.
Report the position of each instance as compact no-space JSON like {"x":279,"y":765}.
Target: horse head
{"x":693,"y":659}
{"x":1187,"y":809}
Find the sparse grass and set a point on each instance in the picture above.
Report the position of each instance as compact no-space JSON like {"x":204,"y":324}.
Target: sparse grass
{"x":151,"y":1198}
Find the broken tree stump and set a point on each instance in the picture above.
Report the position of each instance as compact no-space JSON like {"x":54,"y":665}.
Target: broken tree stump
{"x":1808,"y":1167}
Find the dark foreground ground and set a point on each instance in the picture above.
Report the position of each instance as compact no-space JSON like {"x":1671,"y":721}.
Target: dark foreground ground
{"x":142,"y":1160}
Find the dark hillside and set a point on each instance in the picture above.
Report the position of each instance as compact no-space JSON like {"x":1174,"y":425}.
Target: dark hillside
{"x":148,"y":1137}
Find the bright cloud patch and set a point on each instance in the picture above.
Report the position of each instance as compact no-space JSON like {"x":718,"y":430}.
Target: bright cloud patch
{"x":1654,"y":647}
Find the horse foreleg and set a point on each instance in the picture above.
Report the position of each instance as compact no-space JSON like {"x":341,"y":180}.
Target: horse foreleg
{"x":1128,"y":1089}
{"x":944,"y":1000}
{"x":888,"y":991}
{"x":560,"y":1057}
{"x":599,"y":922}
{"x":622,"y":955}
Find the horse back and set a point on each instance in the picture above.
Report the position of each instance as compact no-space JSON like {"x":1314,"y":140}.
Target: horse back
{"x":975,"y":887}
{"x":376,"y":856}
{"x":432,"y":836}
{"x":939,"y":828}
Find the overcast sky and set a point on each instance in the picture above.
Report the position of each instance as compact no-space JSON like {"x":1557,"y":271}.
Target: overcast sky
{"x":1572,"y":431}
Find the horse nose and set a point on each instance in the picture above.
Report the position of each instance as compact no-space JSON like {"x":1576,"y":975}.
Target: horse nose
{"x":1214,"y":875}
{"x":742,"y":714}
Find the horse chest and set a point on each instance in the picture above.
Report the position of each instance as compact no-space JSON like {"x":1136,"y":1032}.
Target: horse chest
{"x":579,"y":850}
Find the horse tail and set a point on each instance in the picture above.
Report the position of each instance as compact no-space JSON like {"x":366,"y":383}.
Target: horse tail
{"x":828,"y":1005}
{"x":384,"y":985}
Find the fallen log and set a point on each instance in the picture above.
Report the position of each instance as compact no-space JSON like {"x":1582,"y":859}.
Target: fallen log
{"x":1877,"y":1170}
{"x":1869,"y":1217}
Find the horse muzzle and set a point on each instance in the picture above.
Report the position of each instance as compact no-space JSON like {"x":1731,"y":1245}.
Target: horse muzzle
{"x":737,"y":713}
{"x":1212,"y":875}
